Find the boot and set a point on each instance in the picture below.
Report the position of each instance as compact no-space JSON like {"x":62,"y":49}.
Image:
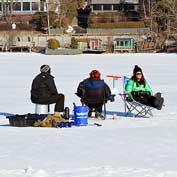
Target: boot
{"x":158,"y":95}
{"x":57,"y":114}
{"x":66,"y":113}
{"x":99,"y":115}
{"x":158,"y":99}
{"x":159,"y":107}
{"x":90,"y":114}
{"x":57,"y":117}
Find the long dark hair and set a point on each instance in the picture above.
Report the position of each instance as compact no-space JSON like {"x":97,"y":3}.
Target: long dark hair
{"x":141,"y":82}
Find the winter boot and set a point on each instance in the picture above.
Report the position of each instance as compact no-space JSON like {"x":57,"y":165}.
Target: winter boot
{"x":157,"y":99}
{"x":57,"y":118}
{"x":159,"y":107}
{"x":66,"y":113}
{"x":57,"y":114}
{"x":90,"y":114}
{"x":99,"y":115}
{"x":158,"y":95}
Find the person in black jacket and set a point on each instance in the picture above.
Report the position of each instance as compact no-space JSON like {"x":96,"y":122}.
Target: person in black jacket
{"x":94,"y":92}
{"x":44,"y":91}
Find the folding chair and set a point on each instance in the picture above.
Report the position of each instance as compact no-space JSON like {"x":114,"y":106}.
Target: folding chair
{"x":131,"y":106}
{"x":98,"y":99}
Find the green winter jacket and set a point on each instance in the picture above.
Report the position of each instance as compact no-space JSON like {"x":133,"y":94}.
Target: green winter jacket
{"x":132,"y":86}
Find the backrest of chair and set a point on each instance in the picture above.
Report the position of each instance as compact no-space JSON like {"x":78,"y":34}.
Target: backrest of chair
{"x":94,"y":95}
{"x":124,"y":82}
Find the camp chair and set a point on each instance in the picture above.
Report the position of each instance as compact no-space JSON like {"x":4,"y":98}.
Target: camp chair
{"x":98,"y":98}
{"x":132,"y":106}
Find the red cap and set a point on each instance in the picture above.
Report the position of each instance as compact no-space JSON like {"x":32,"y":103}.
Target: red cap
{"x":95,"y":74}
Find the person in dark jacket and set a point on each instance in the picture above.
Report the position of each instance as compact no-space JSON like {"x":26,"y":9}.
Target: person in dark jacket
{"x":44,"y":91}
{"x":93,"y":92}
{"x":139,"y":89}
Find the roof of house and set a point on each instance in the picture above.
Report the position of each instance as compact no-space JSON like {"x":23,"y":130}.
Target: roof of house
{"x":113,"y":1}
{"x":124,"y":39}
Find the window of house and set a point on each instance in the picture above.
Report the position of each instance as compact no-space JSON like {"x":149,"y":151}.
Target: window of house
{"x":121,"y":43}
{"x":0,"y":7}
{"x":35,"y":6}
{"x":16,"y":6}
{"x":18,"y":39}
{"x":107,"y":7}
{"x":42,"y":6}
{"x":131,"y":6}
{"x":26,"y":6}
{"x":97,"y":7}
{"x":128,"y":7}
{"x":126,"y":43}
{"x":117,"y":7}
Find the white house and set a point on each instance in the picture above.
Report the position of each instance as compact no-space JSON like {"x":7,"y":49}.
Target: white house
{"x":113,"y":5}
{"x":22,"y":6}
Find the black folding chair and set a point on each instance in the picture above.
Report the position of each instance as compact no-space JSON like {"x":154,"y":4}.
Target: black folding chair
{"x":94,"y":96}
{"x":131,"y":106}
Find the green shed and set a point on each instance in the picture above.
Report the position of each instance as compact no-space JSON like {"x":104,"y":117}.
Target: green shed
{"x":124,"y":44}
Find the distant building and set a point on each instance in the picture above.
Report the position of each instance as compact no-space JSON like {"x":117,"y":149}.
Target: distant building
{"x":113,"y":5}
{"x":23,"y":6}
{"x":124,"y":44}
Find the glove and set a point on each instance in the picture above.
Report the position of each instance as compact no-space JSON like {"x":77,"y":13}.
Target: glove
{"x":111,"y":98}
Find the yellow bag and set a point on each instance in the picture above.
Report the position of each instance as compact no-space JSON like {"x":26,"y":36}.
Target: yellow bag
{"x":49,"y":121}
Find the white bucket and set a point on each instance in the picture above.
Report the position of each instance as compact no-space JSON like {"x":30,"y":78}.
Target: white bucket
{"x":41,"y":109}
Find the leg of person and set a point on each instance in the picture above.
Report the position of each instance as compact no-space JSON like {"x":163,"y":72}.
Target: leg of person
{"x":58,"y":99}
{"x":91,"y":107}
{"x":142,"y":98}
{"x":59,"y":106}
{"x":145,"y":100}
{"x":160,"y":103}
{"x":51,"y":120}
{"x":99,"y":108}
{"x":157,"y":101}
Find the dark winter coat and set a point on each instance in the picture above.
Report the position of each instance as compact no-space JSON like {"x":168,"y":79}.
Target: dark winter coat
{"x":96,"y":85}
{"x":43,"y":87}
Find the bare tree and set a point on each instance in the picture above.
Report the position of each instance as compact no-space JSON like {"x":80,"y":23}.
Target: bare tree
{"x":164,"y":12}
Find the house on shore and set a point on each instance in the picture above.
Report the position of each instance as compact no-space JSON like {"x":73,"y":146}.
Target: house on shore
{"x":114,"y":5}
{"x":124,"y":44}
{"x":23,"y":7}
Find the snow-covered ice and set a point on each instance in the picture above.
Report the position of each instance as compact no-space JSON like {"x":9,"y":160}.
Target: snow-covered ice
{"x":123,"y":147}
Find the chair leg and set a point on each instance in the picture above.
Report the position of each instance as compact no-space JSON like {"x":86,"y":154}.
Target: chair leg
{"x":104,"y":110}
{"x":139,"y":110}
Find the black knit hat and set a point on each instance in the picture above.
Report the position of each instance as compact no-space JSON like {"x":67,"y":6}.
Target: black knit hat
{"x":45,"y":69}
{"x":136,"y":69}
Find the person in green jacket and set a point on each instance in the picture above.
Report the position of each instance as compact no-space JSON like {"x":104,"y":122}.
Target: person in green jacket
{"x":138,"y":89}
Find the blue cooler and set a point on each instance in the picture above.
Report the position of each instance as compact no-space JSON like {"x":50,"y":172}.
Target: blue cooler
{"x":81,"y":115}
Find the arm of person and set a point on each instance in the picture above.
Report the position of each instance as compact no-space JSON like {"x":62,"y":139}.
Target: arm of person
{"x":107,"y":91}
{"x":148,"y":88}
{"x":129,"y":86}
{"x":52,"y":86}
{"x":80,"y":90}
